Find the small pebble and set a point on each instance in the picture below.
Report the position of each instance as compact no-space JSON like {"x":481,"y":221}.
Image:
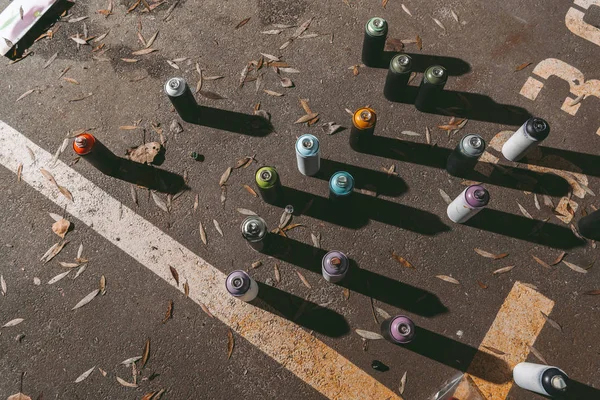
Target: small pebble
{"x":379,"y":366}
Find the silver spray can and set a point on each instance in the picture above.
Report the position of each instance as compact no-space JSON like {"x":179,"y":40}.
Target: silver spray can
{"x":465,"y":155}
{"x":542,"y":379}
{"x":472,"y":200}
{"x":527,"y":137}
{"x":334,"y":266}
{"x":240,"y":285}
{"x":254,"y":230}
{"x":308,"y":155}
{"x":182,"y":99}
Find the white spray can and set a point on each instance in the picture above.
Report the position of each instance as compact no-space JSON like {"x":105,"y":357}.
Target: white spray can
{"x":239,"y":284}
{"x":308,"y":155}
{"x":542,"y":379}
{"x":472,"y":200}
{"x":527,"y":137}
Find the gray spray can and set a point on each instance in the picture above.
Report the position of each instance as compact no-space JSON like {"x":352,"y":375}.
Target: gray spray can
{"x":398,"y":330}
{"x":182,"y":99}
{"x":254,"y":230}
{"x":472,"y":200}
{"x":239,"y":284}
{"x":543,"y":379}
{"x":308,"y":155}
{"x":465,"y":155}
{"x":527,"y":137}
{"x":334,"y":266}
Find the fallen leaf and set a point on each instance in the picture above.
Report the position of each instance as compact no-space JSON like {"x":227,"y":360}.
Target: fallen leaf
{"x":86,"y":299}
{"x":439,"y":23}
{"x":538,"y":355}
{"x":53,"y":251}
{"x":272,"y":32}
{"x":48,"y":176}
{"x":524,"y":211}
{"x":250,"y":190}
{"x":503,"y":270}
{"x":522,"y":66}
{"x":151,"y":40}
{"x":277,"y":273}
{"x":455,"y":16}
{"x":486,"y":254}
{"x":402,"y":383}
{"x":346,"y":293}
{"x":244,"y":211}
{"x":37,"y":281}
{"x":169,"y":313}
{"x":445,"y":196}
{"x":482,"y":285}
{"x":559,"y":258}
{"x":419,"y":42}
{"x":316,"y":239}
{"x":302,"y":28}
{"x":285,"y":219}
{"x":306,"y":118}
{"x":125,"y":383}
{"x":58,"y":277}
{"x":173,"y":64}
{"x":242,"y":23}
{"x":61,"y":227}
{"x":575,"y":267}
{"x":85,"y":374}
{"x":402,"y":260}
{"x":206,"y":310}
{"x":287,"y":83}
{"x":406,"y":10}
{"x":79,"y":40}
{"x":80,"y":271}
{"x":272,"y":93}
{"x":27,"y":93}
{"x":394,"y":45}
{"x":577,"y":100}
{"x":65,"y":192}
{"x":303,"y":279}
{"x":175,"y":127}
{"x":448,"y":279}
{"x":142,"y":52}
{"x":230,"y":343}
{"x":495,"y":350}
{"x":134,"y":195}
{"x":175,"y":274}
{"x":19,"y":172}
{"x":131,"y":360}
{"x":289,"y":70}
{"x":552,"y":322}
{"x":3,"y":285}
{"x":160,"y":203}
{"x":536,"y":202}
{"x":225,"y":176}
{"x":541,"y":262}
{"x":210,"y":95}
{"x":202,"y":233}
{"x":368,"y":334}
{"x":330,"y":128}
{"x":384,"y":314}
{"x":595,"y":292}
{"x":146,"y":354}
{"x":70,"y":80}
{"x":102,"y":285}
{"x":410,"y":133}
{"x":13,"y":322}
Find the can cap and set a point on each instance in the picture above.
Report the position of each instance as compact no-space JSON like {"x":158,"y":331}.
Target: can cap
{"x":376,"y":26}
{"x":402,"y":329}
{"x":472,"y":145}
{"x":254,"y":228}
{"x":436,"y":75}
{"x":175,"y":87}
{"x":266,"y":177}
{"x":307,"y":145}
{"x":84,"y":143}
{"x":364,"y":118}
{"x":401,"y":63}
{"x":537,"y":128}
{"x":341,"y":183}
{"x":238,"y":283}
{"x":335,"y":263}
{"x":477,"y":196}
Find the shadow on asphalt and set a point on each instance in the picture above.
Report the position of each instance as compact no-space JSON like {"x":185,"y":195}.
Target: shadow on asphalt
{"x":361,"y":208}
{"x":523,"y":228}
{"x":148,"y":176}
{"x":303,"y":312}
{"x":420,"y":62}
{"x":368,"y":283}
{"x":581,"y":391}
{"x":231,"y":121}
{"x":587,"y":164}
{"x":435,"y":157}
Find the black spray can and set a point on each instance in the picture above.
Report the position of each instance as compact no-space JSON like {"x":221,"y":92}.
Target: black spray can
{"x":589,"y":226}
{"x":182,"y":99}
{"x":432,"y":85}
{"x":465,"y":155}
{"x":397,"y":77}
{"x":376,"y":31}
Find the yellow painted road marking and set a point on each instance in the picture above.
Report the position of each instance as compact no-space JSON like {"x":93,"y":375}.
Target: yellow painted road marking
{"x":516,"y":327}
{"x":304,"y":355}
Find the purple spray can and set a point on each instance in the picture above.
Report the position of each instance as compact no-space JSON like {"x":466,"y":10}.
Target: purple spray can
{"x":239,"y":284}
{"x":398,"y":330}
{"x":334,"y":266}
{"x":472,"y":200}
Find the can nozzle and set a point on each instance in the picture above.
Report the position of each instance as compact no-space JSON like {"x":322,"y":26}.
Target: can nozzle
{"x":366,"y":115}
{"x":253,"y":227}
{"x":479,"y":194}
{"x":174,"y":84}
{"x":559,"y":383}
{"x":81,"y":142}
{"x":266,"y":175}
{"x":336,"y":261}
{"x":404,"y":329}
{"x":378,"y":22}
{"x":237,"y":283}
{"x":539,"y":125}
{"x":307,"y":143}
{"x":342,"y":181}
{"x":476,"y":142}
{"x":438,"y":72}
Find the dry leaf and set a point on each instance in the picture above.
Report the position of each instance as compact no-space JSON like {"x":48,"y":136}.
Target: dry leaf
{"x":552,"y":322}
{"x":131,"y":360}
{"x":86,"y":299}
{"x":503,"y":270}
{"x":402,"y":383}
{"x":595,"y":292}
{"x":13,"y":322}
{"x":206,"y":310}
{"x":277,"y":273}
{"x":524,"y":211}
{"x":438,"y":22}
{"x":284,"y":219}
{"x":346,"y":293}
{"x":102,"y":285}
{"x":541,"y":262}
{"x":303,"y":279}
{"x":80,"y":271}
{"x":368,"y":334}
{"x":202,"y":233}
{"x":225,"y":176}
{"x":287,"y":83}
{"x":27,"y":93}
{"x":448,"y":279}
{"x":577,"y":100}
{"x":244,"y":211}
{"x":58,"y":277}
{"x":53,"y":251}
{"x":210,"y":95}
{"x":230,"y":343}
{"x":536,"y":202}
{"x":142,"y":52}
{"x":445,"y":196}
{"x":495,"y":350}
{"x":160,"y":203}
{"x":486,"y":254}
{"x":559,"y":258}
{"x":242,"y":23}
{"x":575,"y":267}
{"x":125,"y":383}
{"x":455,"y":16}
{"x":244,"y":162}
{"x":217,"y":227}
{"x":250,"y":190}
{"x":406,"y":10}
{"x":134,"y":195}
{"x":71,"y":80}
{"x":522,"y":66}
{"x":306,"y":118}
{"x":85,"y":374}
{"x":3,"y":285}
{"x":69,"y":265}
{"x":538,"y":355}
{"x":196,"y":201}
{"x":419,"y":42}
{"x":289,"y":70}
{"x":65,"y":192}
{"x":61,"y":227}
{"x":482,"y":285}
{"x":175,"y":274}
{"x":169,"y":313}
{"x":402,"y":260}
{"x":316,"y":239}
{"x":272,"y":93}
{"x":146,"y":353}
{"x":152,"y":39}
{"x":384,"y":314}
{"x":272,"y":32}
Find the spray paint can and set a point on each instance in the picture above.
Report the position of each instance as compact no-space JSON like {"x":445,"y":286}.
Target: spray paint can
{"x":542,"y":379}
{"x":363,"y":126}
{"x":254,"y":230}
{"x":182,"y":99}
{"x":434,"y":80}
{"x":397,"y":77}
{"x":465,"y":155}
{"x":334,"y":266}
{"x":240,"y":285}
{"x":589,"y":226}
{"x":472,"y":200}
{"x":527,"y":137}
{"x":376,"y":30}
{"x":269,"y":185}
{"x":308,"y":155}
{"x":341,"y":185}
{"x":398,"y":330}
{"x":93,"y":151}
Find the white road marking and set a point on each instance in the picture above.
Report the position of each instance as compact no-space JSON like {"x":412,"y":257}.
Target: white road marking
{"x":308,"y":358}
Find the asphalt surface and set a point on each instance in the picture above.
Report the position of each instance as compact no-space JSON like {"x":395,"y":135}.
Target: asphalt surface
{"x":189,"y":352}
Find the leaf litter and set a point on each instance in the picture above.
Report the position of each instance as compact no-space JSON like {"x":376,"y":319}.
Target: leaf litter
{"x":86,"y":299}
{"x":368,"y":334}
{"x":487,"y":254}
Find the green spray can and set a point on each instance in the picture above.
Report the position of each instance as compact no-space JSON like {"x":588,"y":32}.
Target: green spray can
{"x":376,"y":30}
{"x":397,"y":77}
{"x":269,"y":185}
{"x":432,"y":85}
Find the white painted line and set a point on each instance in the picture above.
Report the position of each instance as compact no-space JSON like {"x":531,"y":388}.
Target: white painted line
{"x":308,"y":358}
